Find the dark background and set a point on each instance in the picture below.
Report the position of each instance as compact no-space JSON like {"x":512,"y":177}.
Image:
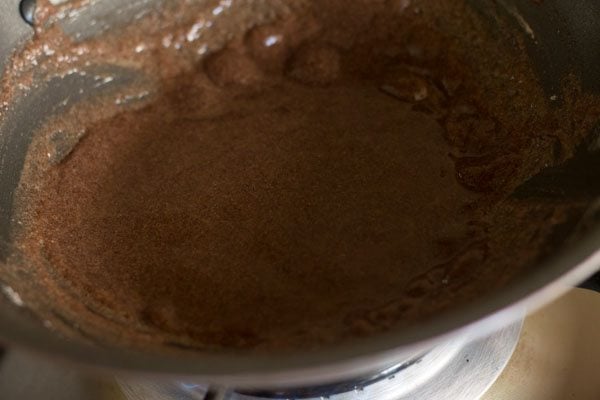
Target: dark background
{"x":593,"y":283}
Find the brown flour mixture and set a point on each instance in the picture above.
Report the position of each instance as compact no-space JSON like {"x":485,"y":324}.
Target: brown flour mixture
{"x":336,"y":172}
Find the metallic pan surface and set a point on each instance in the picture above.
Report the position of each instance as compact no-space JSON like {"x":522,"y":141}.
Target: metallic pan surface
{"x":554,"y":51}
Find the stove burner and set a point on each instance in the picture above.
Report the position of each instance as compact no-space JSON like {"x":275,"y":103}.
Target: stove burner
{"x":325,"y":391}
{"x":456,"y":370}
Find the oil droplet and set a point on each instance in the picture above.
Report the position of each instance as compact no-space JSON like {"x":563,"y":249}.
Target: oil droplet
{"x":195,"y":31}
{"x":12,"y":296}
{"x":272,"y":40}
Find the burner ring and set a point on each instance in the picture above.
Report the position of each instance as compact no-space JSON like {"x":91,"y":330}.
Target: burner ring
{"x":461,"y":369}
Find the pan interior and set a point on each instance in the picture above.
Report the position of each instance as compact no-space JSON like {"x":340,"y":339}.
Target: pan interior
{"x":285,"y":178}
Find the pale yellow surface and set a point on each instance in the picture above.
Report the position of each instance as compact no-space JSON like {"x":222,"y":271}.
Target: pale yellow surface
{"x":558,"y":355}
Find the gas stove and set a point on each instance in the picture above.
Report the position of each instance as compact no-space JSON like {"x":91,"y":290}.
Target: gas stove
{"x":459,"y":369}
